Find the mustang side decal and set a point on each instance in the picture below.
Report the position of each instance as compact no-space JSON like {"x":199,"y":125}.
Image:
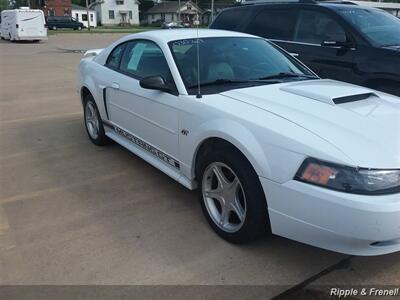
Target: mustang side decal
{"x":142,"y":144}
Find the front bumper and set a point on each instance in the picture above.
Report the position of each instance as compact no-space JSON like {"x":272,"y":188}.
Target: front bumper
{"x":342,"y":222}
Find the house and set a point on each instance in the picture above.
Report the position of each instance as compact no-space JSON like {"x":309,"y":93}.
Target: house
{"x":117,"y":12}
{"x":80,"y":14}
{"x":53,"y":7}
{"x":169,"y":12}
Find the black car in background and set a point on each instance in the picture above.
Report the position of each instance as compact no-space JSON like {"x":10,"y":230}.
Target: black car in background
{"x":55,"y":23}
{"x":337,"y":40}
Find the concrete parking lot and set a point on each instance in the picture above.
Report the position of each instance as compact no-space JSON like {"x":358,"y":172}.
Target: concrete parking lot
{"x":73,"y":213}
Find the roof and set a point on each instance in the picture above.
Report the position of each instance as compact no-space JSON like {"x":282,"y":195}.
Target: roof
{"x":353,"y":5}
{"x":165,"y":36}
{"x":78,"y":7}
{"x":169,"y":7}
{"x":333,"y":4}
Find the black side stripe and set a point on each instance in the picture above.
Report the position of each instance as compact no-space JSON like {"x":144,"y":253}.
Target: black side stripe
{"x":105,"y":102}
{"x":145,"y":146}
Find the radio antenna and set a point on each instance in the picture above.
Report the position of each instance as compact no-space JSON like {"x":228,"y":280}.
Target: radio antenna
{"x":198,"y":96}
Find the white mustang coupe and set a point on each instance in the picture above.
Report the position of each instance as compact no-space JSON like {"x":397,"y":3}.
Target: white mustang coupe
{"x":271,"y":147}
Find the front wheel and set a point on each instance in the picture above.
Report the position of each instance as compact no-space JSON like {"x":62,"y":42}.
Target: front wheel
{"x":231,"y":197}
{"x":54,"y":28}
{"x":94,"y":125}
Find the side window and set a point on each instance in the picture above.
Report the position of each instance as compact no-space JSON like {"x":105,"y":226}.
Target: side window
{"x":114,"y":58}
{"x":143,"y":59}
{"x":273,"y":24}
{"x":314,"y":27}
{"x":230,"y":19}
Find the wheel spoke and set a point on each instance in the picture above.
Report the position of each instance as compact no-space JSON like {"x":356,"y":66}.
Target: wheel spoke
{"x":222,"y":181}
{"x":91,"y":109}
{"x":224,"y":215}
{"x":215,"y":194}
{"x":233,"y":186}
{"x":238,"y":209}
{"x":95,"y":130}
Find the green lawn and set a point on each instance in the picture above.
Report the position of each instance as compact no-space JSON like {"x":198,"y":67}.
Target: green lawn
{"x":101,"y":29}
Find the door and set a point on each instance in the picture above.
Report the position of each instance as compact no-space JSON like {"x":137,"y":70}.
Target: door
{"x":123,"y":18}
{"x":149,"y":115}
{"x":323,"y":44}
{"x":314,"y":36}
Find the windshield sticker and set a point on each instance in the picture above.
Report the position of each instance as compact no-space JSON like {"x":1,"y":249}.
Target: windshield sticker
{"x":136,"y":55}
{"x":187,"y":42}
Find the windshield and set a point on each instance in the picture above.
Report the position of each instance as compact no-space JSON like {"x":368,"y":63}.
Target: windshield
{"x":377,"y":25}
{"x":233,"y":62}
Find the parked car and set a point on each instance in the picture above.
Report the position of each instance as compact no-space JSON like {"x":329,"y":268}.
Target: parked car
{"x":270,"y":146}
{"x":171,"y":25}
{"x":339,"y":40}
{"x":55,"y":23}
{"x":23,"y":24}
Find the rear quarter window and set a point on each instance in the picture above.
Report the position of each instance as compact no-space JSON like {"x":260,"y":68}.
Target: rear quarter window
{"x":114,"y":59}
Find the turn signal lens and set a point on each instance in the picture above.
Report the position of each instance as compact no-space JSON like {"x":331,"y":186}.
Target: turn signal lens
{"x":318,"y":174}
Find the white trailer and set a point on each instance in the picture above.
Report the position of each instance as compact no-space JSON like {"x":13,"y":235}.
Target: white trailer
{"x":23,"y":24}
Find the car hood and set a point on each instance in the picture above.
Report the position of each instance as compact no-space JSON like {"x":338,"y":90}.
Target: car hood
{"x":364,"y":124}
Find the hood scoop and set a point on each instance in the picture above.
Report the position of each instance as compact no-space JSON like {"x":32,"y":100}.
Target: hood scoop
{"x":329,"y":91}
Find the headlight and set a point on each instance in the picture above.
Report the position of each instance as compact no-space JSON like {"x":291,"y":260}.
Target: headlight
{"x":349,"y":179}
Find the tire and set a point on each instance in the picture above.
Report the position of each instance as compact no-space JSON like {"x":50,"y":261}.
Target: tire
{"x":54,"y":28}
{"x":93,"y":123}
{"x":79,"y":28}
{"x":249,"y":197}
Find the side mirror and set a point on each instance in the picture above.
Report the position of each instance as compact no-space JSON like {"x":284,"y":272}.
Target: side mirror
{"x":155,"y":83}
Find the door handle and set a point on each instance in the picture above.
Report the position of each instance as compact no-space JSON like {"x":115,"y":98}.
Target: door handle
{"x":294,"y":54}
{"x":115,"y":86}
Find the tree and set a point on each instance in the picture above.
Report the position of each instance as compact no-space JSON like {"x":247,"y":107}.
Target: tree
{"x":18,"y":3}
{"x":80,"y":2}
{"x":3,"y":4}
{"x":145,"y":5}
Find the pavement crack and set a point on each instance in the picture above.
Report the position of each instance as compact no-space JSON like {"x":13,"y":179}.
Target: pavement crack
{"x":293,"y":291}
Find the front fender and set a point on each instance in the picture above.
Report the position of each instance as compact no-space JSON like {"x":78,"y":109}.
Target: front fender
{"x":232,"y":132}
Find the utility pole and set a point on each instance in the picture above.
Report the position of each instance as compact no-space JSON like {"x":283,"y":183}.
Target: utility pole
{"x":87,"y":12}
{"x":179,"y":11}
{"x":212,"y":11}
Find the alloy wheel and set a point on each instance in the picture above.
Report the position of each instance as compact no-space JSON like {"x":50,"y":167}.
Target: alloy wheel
{"x":92,"y":120}
{"x":224,"y":197}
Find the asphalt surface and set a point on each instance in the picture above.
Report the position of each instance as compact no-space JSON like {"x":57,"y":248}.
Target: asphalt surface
{"x":77,"y":214}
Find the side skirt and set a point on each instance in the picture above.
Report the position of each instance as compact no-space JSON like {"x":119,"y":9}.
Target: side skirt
{"x":150,"y":154}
